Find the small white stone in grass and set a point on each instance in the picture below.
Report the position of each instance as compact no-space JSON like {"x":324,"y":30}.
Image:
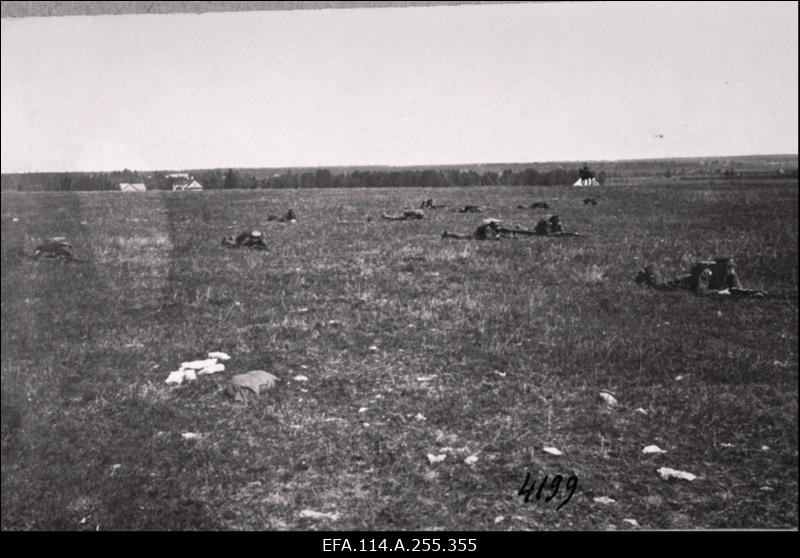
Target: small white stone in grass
{"x":304,"y":367}
{"x":15,"y":220}
{"x":199,"y":364}
{"x":764,"y":448}
{"x":311,"y":514}
{"x":631,"y":522}
{"x":190,"y":435}
{"x":437,"y":458}
{"x":218,"y":367}
{"x":419,"y":416}
{"x":767,"y":489}
{"x":471,"y":460}
{"x":300,"y":378}
{"x":641,"y":411}
{"x":667,"y":474}
{"x":363,"y":410}
{"x":219,"y":355}
{"x":726,"y":445}
{"x":365,"y":424}
{"x":501,"y":374}
{"x":426,"y":378}
{"x":175,"y":377}
{"x":552,"y":451}
{"x":653,"y":449}
{"x":679,"y":377}
{"x":603,"y":500}
{"x":499,"y":519}
{"x":373,"y":348}
{"x":608,"y":398}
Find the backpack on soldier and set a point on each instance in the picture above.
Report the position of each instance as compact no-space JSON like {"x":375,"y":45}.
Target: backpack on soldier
{"x":700,"y":274}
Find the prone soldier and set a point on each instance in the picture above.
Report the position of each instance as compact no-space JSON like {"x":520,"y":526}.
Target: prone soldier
{"x":252,"y":239}
{"x":489,"y":229}
{"x":405,"y":215}
{"x":706,"y":277}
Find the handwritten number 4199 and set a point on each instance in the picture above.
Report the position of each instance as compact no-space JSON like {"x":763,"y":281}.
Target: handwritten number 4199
{"x":555,"y":485}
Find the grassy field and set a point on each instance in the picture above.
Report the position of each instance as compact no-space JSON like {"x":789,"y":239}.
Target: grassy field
{"x":411,"y":344}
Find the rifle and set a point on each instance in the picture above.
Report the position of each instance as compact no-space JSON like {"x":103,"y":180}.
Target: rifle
{"x":755,"y":293}
{"x":512,"y":232}
{"x":524,"y":232}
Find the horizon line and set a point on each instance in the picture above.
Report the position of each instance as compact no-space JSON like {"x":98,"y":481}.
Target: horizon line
{"x":432,"y":165}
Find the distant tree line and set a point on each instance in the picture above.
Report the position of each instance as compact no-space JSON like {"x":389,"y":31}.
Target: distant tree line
{"x":319,"y":178}
{"x":219,"y":179}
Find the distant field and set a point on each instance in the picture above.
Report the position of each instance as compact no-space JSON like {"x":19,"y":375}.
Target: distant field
{"x":485,"y":349}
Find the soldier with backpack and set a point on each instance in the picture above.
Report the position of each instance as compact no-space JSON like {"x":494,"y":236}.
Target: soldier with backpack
{"x":252,"y":239}
{"x":56,"y":248}
{"x":706,"y":277}
{"x":405,"y":215}
{"x":552,"y":227}
{"x":489,"y":229}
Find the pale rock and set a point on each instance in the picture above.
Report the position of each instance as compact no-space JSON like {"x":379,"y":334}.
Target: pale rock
{"x":218,"y":367}
{"x":667,"y":474}
{"x":608,"y":398}
{"x":219,"y":355}
{"x":604,"y":500}
{"x":436,"y":458}
{"x":175,"y":377}
{"x":653,"y":449}
{"x":198,"y":364}
{"x":311,"y":514}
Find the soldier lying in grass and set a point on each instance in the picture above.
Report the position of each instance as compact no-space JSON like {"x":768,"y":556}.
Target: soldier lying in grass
{"x":290,"y":217}
{"x":489,"y":229}
{"x":428,"y":204}
{"x":405,"y":215}
{"x":252,"y":239}
{"x":552,"y":227}
{"x":535,"y":205}
{"x":469,"y":209}
{"x":706,"y":277}
{"x":57,"y":248}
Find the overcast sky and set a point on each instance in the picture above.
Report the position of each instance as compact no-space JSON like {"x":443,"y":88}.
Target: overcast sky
{"x":392,"y":86}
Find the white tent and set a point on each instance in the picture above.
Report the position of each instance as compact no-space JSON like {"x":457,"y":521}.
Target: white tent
{"x":125,"y":187}
{"x":588,"y":182}
{"x":187,"y":186}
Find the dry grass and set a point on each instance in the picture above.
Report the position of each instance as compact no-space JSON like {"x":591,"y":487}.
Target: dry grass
{"x":516,"y":338}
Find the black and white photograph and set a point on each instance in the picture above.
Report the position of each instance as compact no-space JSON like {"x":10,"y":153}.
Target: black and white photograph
{"x":403,"y":276}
